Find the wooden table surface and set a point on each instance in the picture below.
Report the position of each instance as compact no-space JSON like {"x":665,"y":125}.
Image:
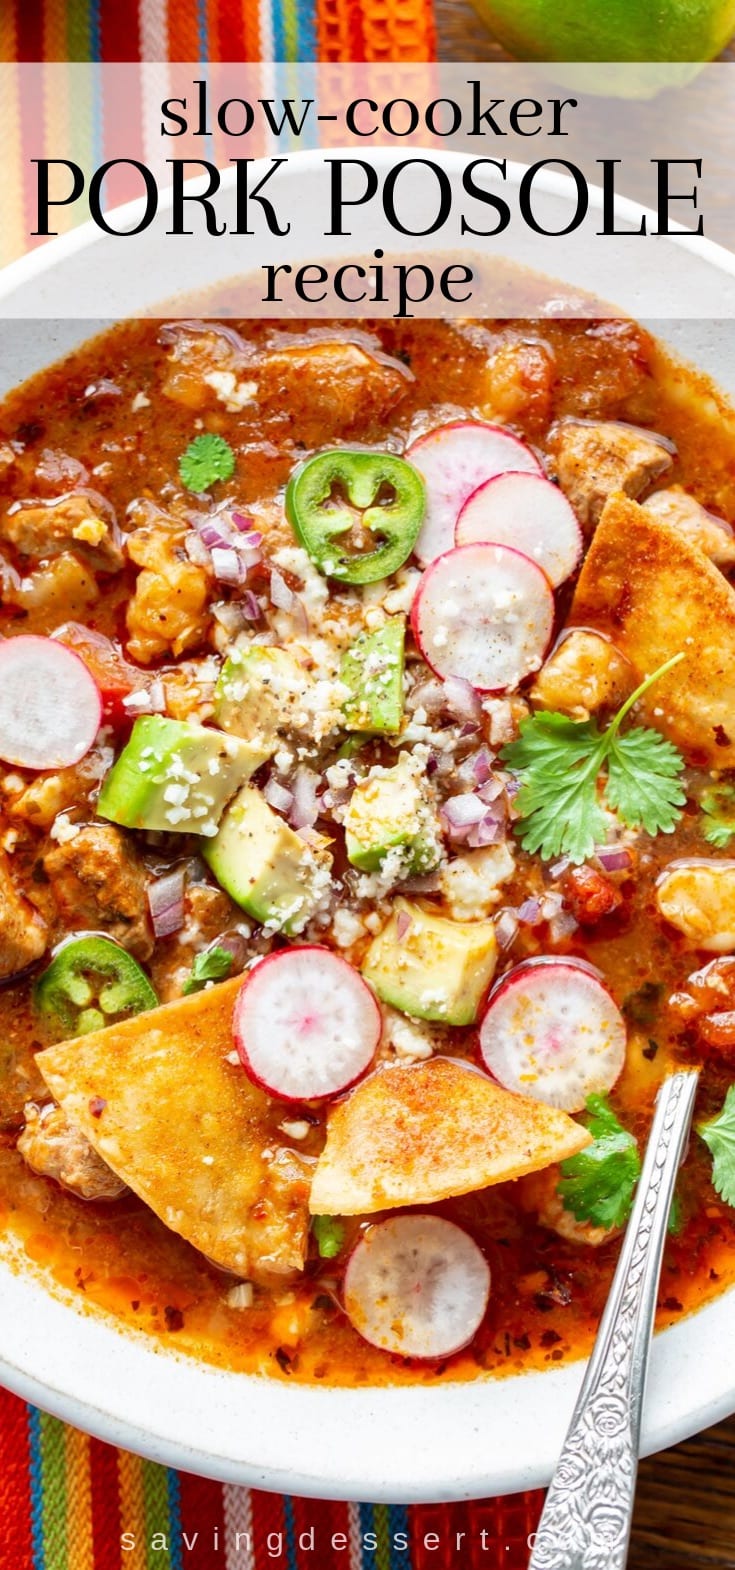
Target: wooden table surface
{"x":685,"y":1506}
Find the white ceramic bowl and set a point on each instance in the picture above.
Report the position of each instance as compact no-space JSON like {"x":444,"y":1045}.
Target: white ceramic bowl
{"x":449,"y":1442}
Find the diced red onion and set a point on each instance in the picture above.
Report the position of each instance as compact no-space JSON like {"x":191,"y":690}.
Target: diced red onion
{"x":336,"y":798}
{"x":425,"y":883}
{"x":428,"y":695}
{"x":488,"y":831}
{"x":562,"y":926}
{"x":551,"y":905}
{"x":506,"y":927}
{"x":281,"y":596}
{"x":277,"y":796}
{"x":309,"y":835}
{"x":614,"y":859}
{"x":482,"y":764}
{"x":148,"y":700}
{"x":166,"y":903}
{"x":461,"y":697}
{"x":228,"y":567}
{"x":305,"y":807}
{"x":250,"y":607}
{"x":403,"y":923}
{"x":235,"y":945}
{"x":171,"y":332}
{"x":491,"y":792}
{"x":196,"y":550}
{"x":212,"y":533}
{"x":249,"y":538}
{"x":231,"y":615}
{"x":560,"y":867}
{"x":529,"y":913}
{"x":462,"y":811}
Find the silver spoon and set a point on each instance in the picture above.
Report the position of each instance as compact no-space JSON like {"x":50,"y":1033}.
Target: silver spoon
{"x":588,"y":1512}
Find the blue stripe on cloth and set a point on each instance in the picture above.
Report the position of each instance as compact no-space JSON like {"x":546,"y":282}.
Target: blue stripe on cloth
{"x":279,"y":30}
{"x":36,"y":1471}
{"x":400,"y":1558}
{"x":306,"y":30}
{"x":202,"y":30}
{"x":367,"y":1524}
{"x":290,"y":1525}
{"x":174,"y":1513}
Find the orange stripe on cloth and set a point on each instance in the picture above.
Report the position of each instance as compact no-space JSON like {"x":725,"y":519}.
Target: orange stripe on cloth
{"x":79,"y":1536}
{"x":132,"y":1508}
{"x":183,"y":33}
{"x":390,"y":30}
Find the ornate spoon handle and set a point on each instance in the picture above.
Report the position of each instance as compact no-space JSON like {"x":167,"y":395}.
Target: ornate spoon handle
{"x":587,"y":1516}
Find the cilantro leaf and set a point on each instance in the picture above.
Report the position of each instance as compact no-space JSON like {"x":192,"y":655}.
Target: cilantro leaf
{"x":598,"y":1184}
{"x":719,"y":1137}
{"x":212,"y":964}
{"x":329,"y":1234}
{"x":559,"y":761}
{"x":207,"y":458}
{"x":643,"y":783}
{"x":718,"y":805}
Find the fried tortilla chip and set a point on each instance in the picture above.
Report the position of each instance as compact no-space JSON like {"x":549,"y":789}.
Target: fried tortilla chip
{"x":417,"y":1133}
{"x":656,"y":594}
{"x":187,"y":1130}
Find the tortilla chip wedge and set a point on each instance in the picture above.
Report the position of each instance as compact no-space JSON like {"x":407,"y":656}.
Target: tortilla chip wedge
{"x":656,"y":594}
{"x":186,"y":1130}
{"x":418,"y":1133}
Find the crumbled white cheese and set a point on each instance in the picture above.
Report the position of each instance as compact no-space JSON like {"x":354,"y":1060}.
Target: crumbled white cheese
{"x":315,"y":591}
{"x":470,"y":883}
{"x":347,"y":928}
{"x":62,"y":829}
{"x":140,"y":402}
{"x":400,"y":597}
{"x":410,"y":1039}
{"x":232,"y":393}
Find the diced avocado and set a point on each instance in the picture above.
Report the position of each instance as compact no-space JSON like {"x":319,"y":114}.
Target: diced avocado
{"x":429,"y":967}
{"x":390,"y":812}
{"x":266,"y":868}
{"x":176,"y":777}
{"x":373,"y":670}
{"x":259,"y":693}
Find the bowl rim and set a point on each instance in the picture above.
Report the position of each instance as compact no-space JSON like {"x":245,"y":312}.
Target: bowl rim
{"x":502,"y":1434}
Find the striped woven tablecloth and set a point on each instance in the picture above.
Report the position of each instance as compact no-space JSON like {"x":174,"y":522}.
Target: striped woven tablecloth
{"x":216,"y":30}
{"x":68,"y":1502}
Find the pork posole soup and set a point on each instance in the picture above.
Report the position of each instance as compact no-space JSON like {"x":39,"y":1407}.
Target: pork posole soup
{"x":367,"y":858}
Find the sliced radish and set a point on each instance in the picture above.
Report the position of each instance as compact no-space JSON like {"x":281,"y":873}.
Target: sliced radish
{"x":417,"y":1286}
{"x":552,"y":1032}
{"x":529,"y":513}
{"x":306,"y":1024}
{"x":454,"y":460}
{"x":50,"y":706}
{"x":484,"y":612}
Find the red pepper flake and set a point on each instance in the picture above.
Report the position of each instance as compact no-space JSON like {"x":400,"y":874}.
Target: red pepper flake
{"x":174,"y":1318}
{"x":97,"y":1106}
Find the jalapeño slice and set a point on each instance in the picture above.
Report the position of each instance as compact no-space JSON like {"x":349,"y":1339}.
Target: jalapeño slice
{"x":91,"y":982}
{"x":358,"y":514}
